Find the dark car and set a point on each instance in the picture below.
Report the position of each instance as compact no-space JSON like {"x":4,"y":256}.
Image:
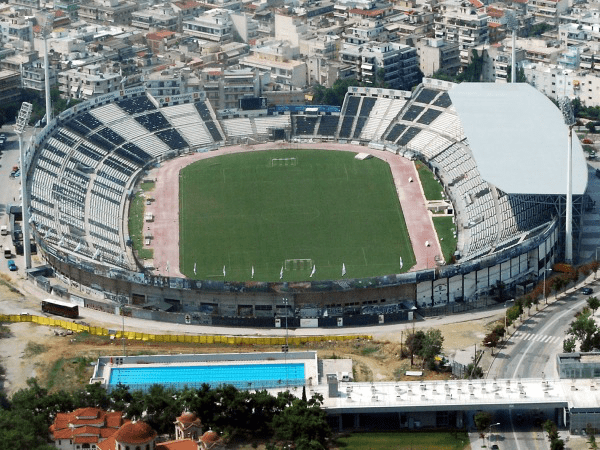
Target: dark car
{"x":587,"y":291}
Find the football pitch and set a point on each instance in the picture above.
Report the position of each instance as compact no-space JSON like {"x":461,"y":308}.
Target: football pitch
{"x":302,"y":210}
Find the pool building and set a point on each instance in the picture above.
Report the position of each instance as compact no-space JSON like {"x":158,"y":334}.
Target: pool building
{"x":242,"y":370}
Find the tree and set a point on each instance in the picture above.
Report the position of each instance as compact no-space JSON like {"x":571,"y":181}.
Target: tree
{"x":473,"y":371}
{"x":584,"y":329}
{"x":431,"y":345}
{"x":303,"y":423}
{"x":483,"y":420}
{"x":569,"y":345}
{"x":593,"y":304}
{"x":414,"y":343}
{"x":592,"y":442}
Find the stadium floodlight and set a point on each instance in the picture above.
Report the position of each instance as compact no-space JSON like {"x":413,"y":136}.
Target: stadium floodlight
{"x":22,"y":120}
{"x":567,"y":111}
{"x":513,"y":25}
{"x":46,"y":22}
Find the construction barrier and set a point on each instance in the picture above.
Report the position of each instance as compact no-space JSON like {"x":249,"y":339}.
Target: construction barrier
{"x":176,"y":338}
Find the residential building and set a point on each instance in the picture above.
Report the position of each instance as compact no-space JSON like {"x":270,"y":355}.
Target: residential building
{"x":464,"y":24}
{"x":438,"y":55}
{"x":395,"y":66}
{"x":325,"y":72}
{"x":10,"y":82}
{"x":88,"y":81}
{"x":14,"y":29}
{"x":69,"y":7}
{"x":34,"y":4}
{"x":153,"y":20}
{"x":84,"y":428}
{"x":245,"y":28}
{"x":159,"y":41}
{"x":225,"y":88}
{"x":547,"y":11}
{"x":109,"y":12}
{"x":214,"y":25}
{"x":276,"y":58}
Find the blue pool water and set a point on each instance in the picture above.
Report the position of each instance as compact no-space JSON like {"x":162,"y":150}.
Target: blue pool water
{"x":242,"y":376}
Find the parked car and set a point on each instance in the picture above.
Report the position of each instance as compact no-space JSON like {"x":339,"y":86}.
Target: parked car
{"x":11,"y":265}
{"x":587,"y":291}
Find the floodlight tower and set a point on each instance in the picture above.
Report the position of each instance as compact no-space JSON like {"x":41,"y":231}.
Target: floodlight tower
{"x":567,"y":111}
{"x":22,"y":120}
{"x":46,"y":20}
{"x":513,"y":25}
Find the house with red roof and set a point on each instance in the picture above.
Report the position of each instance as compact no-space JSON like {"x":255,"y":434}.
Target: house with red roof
{"x":84,"y":428}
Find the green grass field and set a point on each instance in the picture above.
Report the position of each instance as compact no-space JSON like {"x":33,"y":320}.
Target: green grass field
{"x":326,"y":208}
{"x":445,"y":231}
{"x":421,"y":440}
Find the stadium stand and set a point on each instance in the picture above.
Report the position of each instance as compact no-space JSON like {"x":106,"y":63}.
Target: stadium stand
{"x":328,"y":126}
{"x":304,"y":125}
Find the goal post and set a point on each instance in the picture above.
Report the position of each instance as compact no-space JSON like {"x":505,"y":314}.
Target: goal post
{"x":279,"y":162}
{"x":298,"y":264}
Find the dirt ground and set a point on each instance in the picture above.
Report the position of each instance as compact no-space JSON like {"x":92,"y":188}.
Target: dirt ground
{"x":64,"y":362}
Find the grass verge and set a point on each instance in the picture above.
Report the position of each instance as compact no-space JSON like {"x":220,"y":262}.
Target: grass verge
{"x":136,"y":226}
{"x":431,"y":186}
{"x":422,"y":440}
{"x":445,"y":231}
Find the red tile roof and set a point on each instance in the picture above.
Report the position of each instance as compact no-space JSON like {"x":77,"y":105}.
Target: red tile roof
{"x":476,"y":3}
{"x":86,"y":422}
{"x":157,"y":35}
{"x":363,"y":12}
{"x":135,"y":433}
{"x":85,"y":439}
{"x":183,"y":444}
{"x":187,"y":4}
{"x":494,"y":25}
{"x":494,"y":12}
{"x":209,"y":437}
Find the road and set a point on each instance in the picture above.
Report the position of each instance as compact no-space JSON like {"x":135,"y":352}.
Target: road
{"x":530,"y":353}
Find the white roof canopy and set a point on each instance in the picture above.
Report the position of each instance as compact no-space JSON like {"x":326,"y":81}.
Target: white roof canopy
{"x":518,"y":138}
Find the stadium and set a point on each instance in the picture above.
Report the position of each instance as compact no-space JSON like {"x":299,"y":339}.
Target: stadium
{"x":498,"y":150}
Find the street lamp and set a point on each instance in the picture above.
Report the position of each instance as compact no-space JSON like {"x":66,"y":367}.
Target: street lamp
{"x":286,"y":302}
{"x":490,"y":433}
{"x":506,"y":320}
{"x":22,"y":119}
{"x":567,"y":111}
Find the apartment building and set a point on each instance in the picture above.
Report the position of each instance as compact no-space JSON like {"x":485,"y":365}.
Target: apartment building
{"x":547,"y":11}
{"x":225,"y":88}
{"x":88,"y":81}
{"x":154,"y":20}
{"x":462,"y":23}
{"x":277,"y":58}
{"x":394,"y":65}
{"x":214,"y":25}
{"x":438,"y":55}
{"x":10,"y":82}
{"x":14,"y":29}
{"x":108,"y":12}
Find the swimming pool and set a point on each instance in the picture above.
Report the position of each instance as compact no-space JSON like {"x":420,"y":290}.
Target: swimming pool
{"x":242,"y":376}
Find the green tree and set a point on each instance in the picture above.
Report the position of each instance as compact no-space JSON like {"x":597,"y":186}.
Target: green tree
{"x":569,"y":345}
{"x":303,"y":423}
{"x":483,"y":420}
{"x":414,"y":343}
{"x":584,"y":329}
{"x":593,"y":304}
{"x":431,"y":345}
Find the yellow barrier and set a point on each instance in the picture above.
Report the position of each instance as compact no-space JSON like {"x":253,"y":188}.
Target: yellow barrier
{"x":177,"y":338}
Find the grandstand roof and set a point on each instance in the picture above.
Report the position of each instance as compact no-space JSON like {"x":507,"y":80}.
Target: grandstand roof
{"x":518,"y":138}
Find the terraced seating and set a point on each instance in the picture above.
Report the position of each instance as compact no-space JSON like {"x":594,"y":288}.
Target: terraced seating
{"x":429,"y":116}
{"x":172,"y":138}
{"x":203,"y":111}
{"x":238,"y":127}
{"x":366,"y":106}
{"x":111,"y":136}
{"x":443,"y":101}
{"x":426,"y":95}
{"x":153,"y":121}
{"x":346,"y":127}
{"x":214,"y":131}
{"x":305,"y":125}
{"x":395,"y":132}
{"x":328,"y":125}
{"x":408,"y":135}
{"x":136,"y":105}
{"x":360,"y":123}
{"x":109,"y":113}
{"x":352,"y":103}
{"x":412,"y":113}
{"x":263,"y":124}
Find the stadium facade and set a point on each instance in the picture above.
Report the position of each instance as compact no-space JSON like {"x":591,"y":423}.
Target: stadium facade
{"x":499,"y":151}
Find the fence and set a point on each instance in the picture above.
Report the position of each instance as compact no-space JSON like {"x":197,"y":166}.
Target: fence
{"x":175,"y":338}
